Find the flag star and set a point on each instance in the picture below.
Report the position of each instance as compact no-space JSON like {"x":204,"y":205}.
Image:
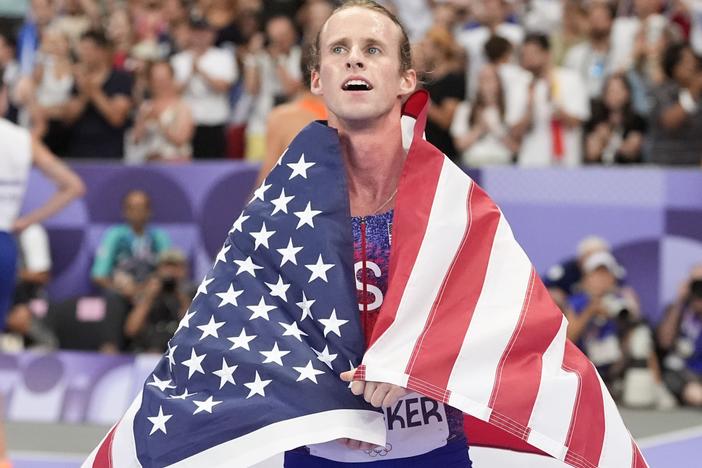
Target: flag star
{"x":247,"y":266}
{"x":241,"y":341}
{"x":171,"y":355}
{"x":206,"y":405}
{"x":300,"y":167}
{"x":332,"y":324}
{"x":292,"y":330}
{"x":257,"y":386}
{"x":289,"y":253}
{"x":325,"y":357}
{"x":238,"y":224}
{"x":306,"y":216}
{"x":229,"y":297}
{"x":222,"y":255}
{"x":182,"y":396}
{"x":274,"y":355}
{"x":261,"y":236}
{"x":210,"y":329}
{"x":225,"y":374}
{"x":306,"y":306}
{"x":260,"y":310}
{"x":194,"y":364}
{"x":159,"y":421}
{"x":202,"y":289}
{"x":161,"y":384}
{"x":185,"y":322}
{"x":279,"y":288}
{"x":319,"y":270}
{"x":259,"y":192}
{"x":281,"y":203}
{"x":308,"y":372}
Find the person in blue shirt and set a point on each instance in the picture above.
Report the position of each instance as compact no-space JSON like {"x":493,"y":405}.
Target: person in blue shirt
{"x":125,"y":259}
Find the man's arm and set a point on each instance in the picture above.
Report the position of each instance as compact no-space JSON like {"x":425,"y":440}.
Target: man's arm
{"x":68,"y":186}
{"x":140,"y":312}
{"x":113,"y":109}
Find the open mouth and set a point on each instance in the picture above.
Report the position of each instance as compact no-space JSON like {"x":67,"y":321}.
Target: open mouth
{"x":357,"y":85}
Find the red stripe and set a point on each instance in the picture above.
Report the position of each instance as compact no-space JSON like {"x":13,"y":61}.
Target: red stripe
{"x":521,"y":364}
{"x":440,"y":343}
{"x":103,"y":458}
{"x":420,"y":176}
{"x":638,"y":459}
{"x":587,"y":428}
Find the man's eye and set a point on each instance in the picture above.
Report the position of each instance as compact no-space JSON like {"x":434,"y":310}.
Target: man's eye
{"x":337,"y":50}
{"x":373,"y":50}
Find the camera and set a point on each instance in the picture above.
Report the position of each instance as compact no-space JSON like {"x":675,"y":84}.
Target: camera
{"x":616,"y":306}
{"x":168,"y":284}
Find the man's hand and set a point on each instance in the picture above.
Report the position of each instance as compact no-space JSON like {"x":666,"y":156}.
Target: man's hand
{"x":378,"y":394}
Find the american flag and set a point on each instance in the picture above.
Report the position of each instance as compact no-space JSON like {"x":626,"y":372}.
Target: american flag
{"x":253,"y":368}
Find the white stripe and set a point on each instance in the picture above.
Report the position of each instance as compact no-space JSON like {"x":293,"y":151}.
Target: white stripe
{"x":496,"y":316}
{"x":553,"y":409}
{"x":445,"y":230}
{"x":123,"y":451}
{"x":257,"y":446}
{"x":616,"y":447}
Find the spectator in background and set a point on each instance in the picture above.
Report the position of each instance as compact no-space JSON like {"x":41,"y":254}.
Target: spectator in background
{"x":593,"y":59}
{"x":604,"y":322}
{"x":205,"y":75}
{"x":680,"y":337}
{"x":572,"y":31}
{"x":76,"y":17}
{"x":30,"y":297}
{"x":119,"y":32}
{"x":615,"y":133}
{"x":647,"y":22}
{"x":53,"y":82}
{"x":272,"y":77}
{"x":98,"y":111}
{"x":480,"y":131}
{"x":445,"y":80}
{"x":10,"y":76}
{"x":286,"y":120}
{"x":221,"y":14}
{"x":492,"y":18}
{"x":557,"y":106}
{"x":312,"y":17}
{"x":41,"y":13}
{"x":676,"y":118}
{"x":562,"y":279}
{"x":161,"y":304}
{"x":125,"y":260}
{"x":164,"y":126}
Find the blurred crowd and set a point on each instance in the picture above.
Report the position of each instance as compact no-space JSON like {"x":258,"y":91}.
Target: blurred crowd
{"x":526,"y":82}
{"x":530,"y":82}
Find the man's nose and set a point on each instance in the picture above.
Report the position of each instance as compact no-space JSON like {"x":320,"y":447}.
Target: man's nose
{"x":355,"y":60}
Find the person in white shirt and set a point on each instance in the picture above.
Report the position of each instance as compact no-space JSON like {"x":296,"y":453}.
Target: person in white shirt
{"x":18,"y":153}
{"x":646,"y":20}
{"x":205,"y":74}
{"x":558,"y":104}
{"x":491,"y":15}
{"x":593,"y":59}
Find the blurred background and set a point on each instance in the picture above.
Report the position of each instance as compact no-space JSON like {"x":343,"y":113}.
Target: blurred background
{"x":580,"y":118}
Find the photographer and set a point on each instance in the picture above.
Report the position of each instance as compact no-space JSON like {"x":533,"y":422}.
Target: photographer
{"x":604,"y":323}
{"x":680,"y":337}
{"x":163,"y":302}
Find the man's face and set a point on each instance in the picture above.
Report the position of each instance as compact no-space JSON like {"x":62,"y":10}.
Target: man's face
{"x":686,"y":68}
{"x":534,"y":58}
{"x":600,"y":22}
{"x":42,"y":11}
{"x":359,"y":73}
{"x":136,"y":209}
{"x":599,"y":281}
{"x":90,"y":53}
{"x":281,"y":33}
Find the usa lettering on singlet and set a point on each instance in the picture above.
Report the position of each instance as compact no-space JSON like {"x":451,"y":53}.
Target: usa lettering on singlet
{"x":416,"y":424}
{"x":15,"y":163}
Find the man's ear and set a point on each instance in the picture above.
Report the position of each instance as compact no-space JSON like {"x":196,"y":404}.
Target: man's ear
{"x":316,"y":83}
{"x":408,"y":82}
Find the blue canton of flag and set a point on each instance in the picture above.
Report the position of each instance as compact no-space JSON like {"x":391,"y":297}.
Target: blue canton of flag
{"x":272,"y":325}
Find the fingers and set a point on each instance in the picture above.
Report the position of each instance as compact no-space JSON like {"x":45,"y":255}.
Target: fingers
{"x":369,"y":391}
{"x":348,"y":375}
{"x":356,"y":444}
{"x":358,"y":387}
{"x":393,"y":396}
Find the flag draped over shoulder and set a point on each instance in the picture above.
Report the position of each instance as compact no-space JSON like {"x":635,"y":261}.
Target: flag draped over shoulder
{"x":253,"y":368}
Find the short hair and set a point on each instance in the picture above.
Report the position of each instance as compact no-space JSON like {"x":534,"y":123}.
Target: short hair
{"x":405,"y":47}
{"x":98,"y":37}
{"x":609,"y":7}
{"x":136,"y":192}
{"x":538,"y":39}
{"x":497,"y":47}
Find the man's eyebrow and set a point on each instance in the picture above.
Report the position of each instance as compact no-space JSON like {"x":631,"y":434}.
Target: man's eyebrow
{"x":344,"y":41}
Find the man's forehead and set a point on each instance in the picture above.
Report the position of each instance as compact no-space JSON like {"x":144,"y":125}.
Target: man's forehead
{"x":357,"y":21}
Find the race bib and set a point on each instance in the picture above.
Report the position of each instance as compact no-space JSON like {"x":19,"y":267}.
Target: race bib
{"x":415,"y":425}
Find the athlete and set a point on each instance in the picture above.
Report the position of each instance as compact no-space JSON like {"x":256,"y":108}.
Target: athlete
{"x":362,"y":69}
{"x":18,"y":153}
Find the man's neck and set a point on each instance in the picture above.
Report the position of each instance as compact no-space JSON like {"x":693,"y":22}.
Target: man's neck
{"x":373,"y":157}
